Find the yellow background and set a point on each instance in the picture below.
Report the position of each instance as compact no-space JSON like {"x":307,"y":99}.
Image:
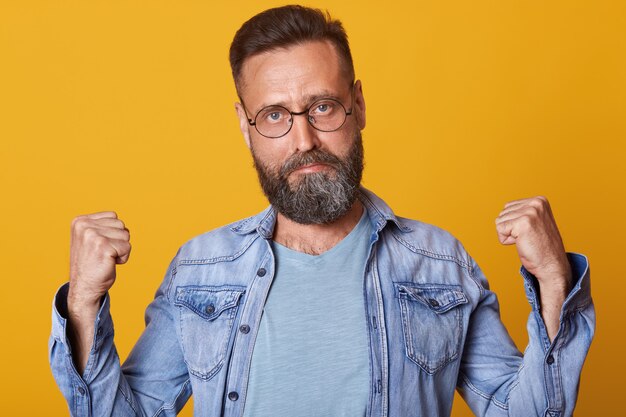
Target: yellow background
{"x":128,"y":106}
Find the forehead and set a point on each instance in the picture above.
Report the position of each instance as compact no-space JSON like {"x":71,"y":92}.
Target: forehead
{"x":291,"y":75}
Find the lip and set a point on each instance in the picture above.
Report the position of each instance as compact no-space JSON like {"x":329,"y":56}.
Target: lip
{"x":311,"y":168}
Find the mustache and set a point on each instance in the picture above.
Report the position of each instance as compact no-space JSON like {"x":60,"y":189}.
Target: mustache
{"x":309,"y":157}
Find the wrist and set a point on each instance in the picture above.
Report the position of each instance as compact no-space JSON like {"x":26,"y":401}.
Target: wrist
{"x":80,"y":304}
{"x":556,"y":283}
{"x":555,"y":276}
{"x":553,"y":290}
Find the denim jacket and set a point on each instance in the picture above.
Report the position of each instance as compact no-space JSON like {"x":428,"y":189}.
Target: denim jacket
{"x":433,"y":326}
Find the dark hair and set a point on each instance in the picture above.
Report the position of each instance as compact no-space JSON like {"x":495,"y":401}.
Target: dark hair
{"x":286,"y":26}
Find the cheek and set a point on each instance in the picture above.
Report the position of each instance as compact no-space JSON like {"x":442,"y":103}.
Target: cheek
{"x":271,"y":155}
{"x":340,"y":144}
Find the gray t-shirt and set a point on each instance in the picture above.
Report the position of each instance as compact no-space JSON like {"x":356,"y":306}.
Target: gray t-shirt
{"x":311,"y":355}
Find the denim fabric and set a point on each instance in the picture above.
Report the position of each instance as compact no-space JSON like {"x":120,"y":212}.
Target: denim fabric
{"x":433,"y":326}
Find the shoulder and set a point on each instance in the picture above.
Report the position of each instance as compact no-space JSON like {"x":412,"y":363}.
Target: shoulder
{"x":222,"y":244}
{"x":431,"y":241}
{"x":418,"y":237}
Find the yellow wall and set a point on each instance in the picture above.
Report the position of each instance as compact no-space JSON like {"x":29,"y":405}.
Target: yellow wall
{"x":128,"y":106}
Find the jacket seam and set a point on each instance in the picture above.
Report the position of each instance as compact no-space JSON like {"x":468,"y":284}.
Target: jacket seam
{"x":165,"y":407}
{"x":171,"y":283}
{"x":516,"y":382}
{"x":431,"y":254}
{"x":130,"y":404}
{"x":486,"y":396}
{"x":370,"y":204}
{"x":365,"y":199}
{"x":481,"y":288}
{"x":225,"y":258}
{"x":570,"y":311}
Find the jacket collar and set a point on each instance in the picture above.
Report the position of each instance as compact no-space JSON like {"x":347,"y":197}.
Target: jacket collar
{"x":378,"y":212}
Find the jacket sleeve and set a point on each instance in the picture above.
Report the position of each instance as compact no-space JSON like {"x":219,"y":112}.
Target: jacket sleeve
{"x":152,"y":382}
{"x":497,"y":380}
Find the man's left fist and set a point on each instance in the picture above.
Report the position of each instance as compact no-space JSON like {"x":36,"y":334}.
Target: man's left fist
{"x":530,"y":225}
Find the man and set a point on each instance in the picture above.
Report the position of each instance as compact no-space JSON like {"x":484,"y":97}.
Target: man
{"x":326,"y":303}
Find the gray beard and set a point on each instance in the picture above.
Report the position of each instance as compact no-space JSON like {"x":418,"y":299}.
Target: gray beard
{"x":319,"y":197}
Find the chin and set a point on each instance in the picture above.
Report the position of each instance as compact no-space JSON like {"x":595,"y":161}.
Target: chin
{"x":295,"y":178}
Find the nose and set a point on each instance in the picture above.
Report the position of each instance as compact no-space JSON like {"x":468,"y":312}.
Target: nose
{"x":303,"y":135}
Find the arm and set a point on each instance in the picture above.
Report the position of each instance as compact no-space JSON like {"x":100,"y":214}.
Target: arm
{"x":530,"y":225}
{"x":154,"y":377}
{"x":86,"y":365}
{"x":495,"y":378}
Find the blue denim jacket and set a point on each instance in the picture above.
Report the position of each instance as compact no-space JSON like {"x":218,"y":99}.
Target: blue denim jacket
{"x":433,"y":326}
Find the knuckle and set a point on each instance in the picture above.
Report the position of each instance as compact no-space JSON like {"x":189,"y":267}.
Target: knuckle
{"x":78,"y":222}
{"x":544,"y":203}
{"x":74,"y":222}
{"x":99,"y":241}
{"x":533,"y":211}
{"x":90,"y":233}
{"x":535,"y":203}
{"x":535,"y":206}
{"x":541,"y":201}
{"x":526,"y":221}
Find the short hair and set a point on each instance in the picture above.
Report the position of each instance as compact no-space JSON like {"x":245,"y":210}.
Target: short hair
{"x":286,"y":26}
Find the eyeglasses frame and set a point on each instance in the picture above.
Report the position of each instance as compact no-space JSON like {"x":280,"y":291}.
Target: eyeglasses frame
{"x":252,"y":122}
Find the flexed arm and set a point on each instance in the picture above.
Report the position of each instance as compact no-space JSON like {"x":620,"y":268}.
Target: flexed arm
{"x":529,"y":224}
{"x":99,"y":241}
{"x":83,"y":356}
{"x":498,"y":380}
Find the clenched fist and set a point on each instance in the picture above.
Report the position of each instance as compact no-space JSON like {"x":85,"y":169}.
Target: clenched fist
{"x":530,"y":225}
{"x":99,"y":241}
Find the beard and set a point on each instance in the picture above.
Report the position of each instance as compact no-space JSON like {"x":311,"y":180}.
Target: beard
{"x":318,"y":197}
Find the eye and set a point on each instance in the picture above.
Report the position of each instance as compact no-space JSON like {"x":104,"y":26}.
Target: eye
{"x":323,"y":108}
{"x":273,"y":115}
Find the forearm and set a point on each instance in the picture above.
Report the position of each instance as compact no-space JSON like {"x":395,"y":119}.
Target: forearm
{"x":100,"y":384}
{"x":82,"y":359}
{"x":496,"y":380}
{"x":81,"y":315}
{"x":552,"y":298}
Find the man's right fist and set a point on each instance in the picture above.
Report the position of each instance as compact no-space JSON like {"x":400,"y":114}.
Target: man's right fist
{"x":99,"y":241}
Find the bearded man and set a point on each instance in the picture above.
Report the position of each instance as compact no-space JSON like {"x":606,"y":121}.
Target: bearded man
{"x":326,"y":303}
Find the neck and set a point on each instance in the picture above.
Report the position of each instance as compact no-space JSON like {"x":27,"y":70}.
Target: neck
{"x":315,"y":239}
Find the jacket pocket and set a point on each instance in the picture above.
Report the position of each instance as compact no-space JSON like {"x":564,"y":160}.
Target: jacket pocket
{"x":432,"y":322}
{"x":207,"y":314}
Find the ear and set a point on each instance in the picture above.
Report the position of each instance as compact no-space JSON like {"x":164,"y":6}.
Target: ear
{"x":359,"y":104}
{"x":244,"y":126}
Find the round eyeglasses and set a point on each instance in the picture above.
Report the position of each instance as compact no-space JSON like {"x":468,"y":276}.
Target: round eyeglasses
{"x":325,"y":115}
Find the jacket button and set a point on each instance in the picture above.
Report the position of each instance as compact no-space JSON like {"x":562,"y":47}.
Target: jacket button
{"x":261,"y":272}
{"x":233,"y":396}
{"x":433,"y":302}
{"x":244,"y":328}
{"x":210,"y":309}
{"x":81,"y":390}
{"x":550,"y":360}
